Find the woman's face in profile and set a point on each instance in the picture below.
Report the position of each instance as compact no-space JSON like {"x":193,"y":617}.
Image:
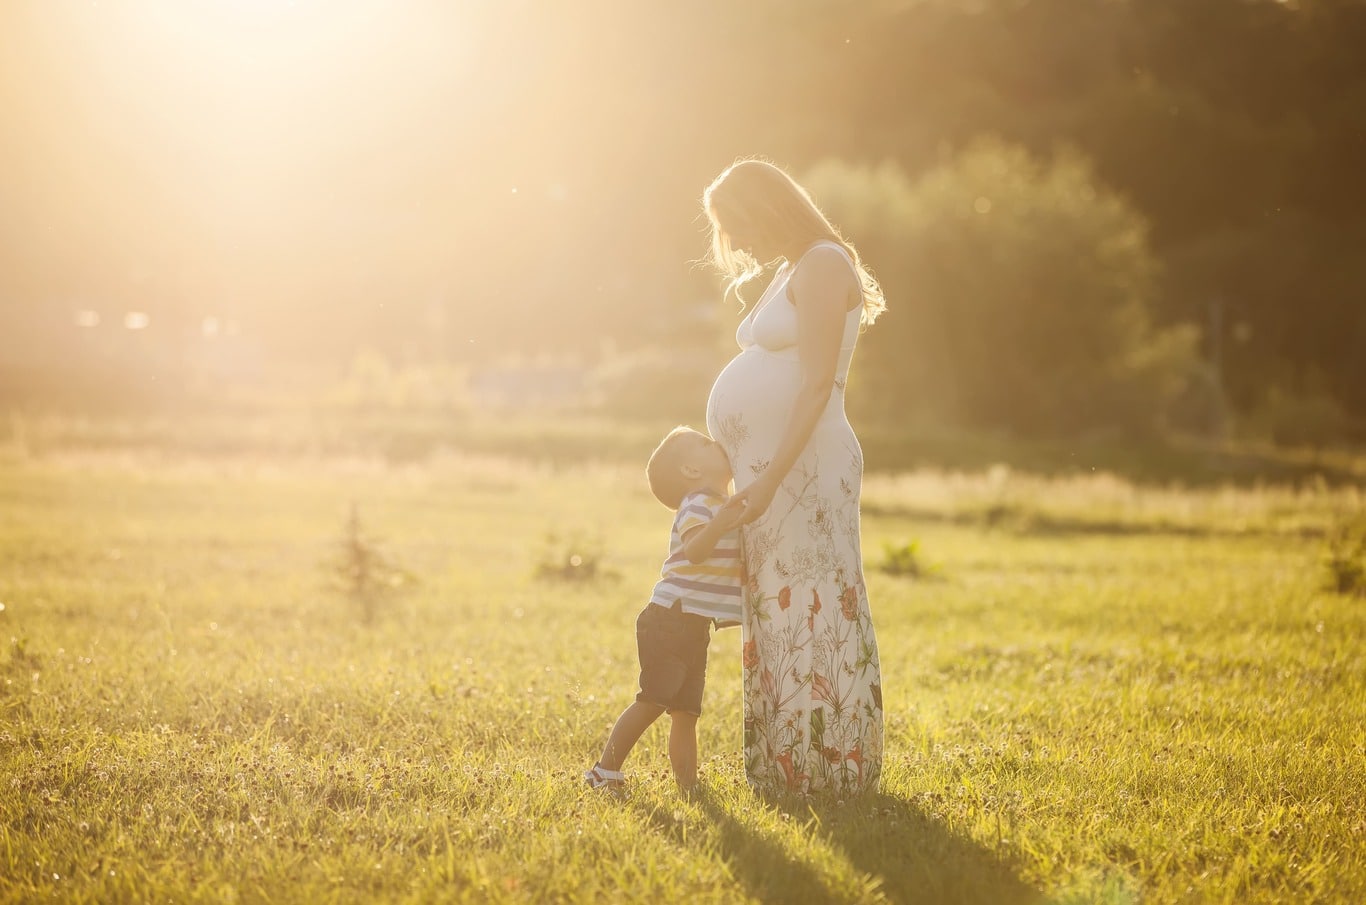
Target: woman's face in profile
{"x":750,"y":241}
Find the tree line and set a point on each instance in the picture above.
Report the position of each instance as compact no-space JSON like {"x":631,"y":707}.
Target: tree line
{"x":1088,"y":214}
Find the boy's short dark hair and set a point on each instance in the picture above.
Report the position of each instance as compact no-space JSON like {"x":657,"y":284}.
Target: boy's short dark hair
{"x":666,"y":481}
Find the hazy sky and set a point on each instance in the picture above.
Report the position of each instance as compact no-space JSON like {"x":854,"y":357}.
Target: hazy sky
{"x":291,"y":163}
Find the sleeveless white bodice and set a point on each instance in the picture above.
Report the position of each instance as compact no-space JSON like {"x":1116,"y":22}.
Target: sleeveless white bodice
{"x":772,"y":323}
{"x":758,"y":387}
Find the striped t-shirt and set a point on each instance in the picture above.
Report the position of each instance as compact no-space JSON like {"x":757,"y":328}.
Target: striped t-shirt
{"x":709,"y":588}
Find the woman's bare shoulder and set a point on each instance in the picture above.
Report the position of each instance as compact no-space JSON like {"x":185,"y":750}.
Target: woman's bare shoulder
{"x":824,"y":272}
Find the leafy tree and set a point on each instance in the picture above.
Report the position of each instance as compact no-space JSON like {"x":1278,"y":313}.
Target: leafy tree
{"x":1019,"y":292}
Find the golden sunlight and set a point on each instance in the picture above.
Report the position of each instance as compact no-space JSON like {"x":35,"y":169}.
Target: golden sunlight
{"x":332,"y":175}
{"x":233,"y":157}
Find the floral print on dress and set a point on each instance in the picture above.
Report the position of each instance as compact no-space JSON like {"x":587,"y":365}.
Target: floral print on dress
{"x":813,"y":686}
{"x":731,"y":432}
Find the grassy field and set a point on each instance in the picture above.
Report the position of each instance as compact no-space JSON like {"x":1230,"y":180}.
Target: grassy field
{"x":1096,"y":692}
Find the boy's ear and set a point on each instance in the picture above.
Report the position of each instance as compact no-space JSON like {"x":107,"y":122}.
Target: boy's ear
{"x":691,"y":472}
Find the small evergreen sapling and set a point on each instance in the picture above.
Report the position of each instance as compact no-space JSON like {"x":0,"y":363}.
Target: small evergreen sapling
{"x":364,"y":573}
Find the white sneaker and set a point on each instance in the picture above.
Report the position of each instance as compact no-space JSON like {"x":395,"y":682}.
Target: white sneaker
{"x":602,"y":778}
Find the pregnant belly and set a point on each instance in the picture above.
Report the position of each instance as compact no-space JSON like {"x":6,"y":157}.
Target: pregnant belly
{"x":749,"y":407}
{"x":751,"y":399}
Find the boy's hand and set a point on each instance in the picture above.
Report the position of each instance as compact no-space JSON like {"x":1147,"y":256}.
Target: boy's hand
{"x":731,"y":513}
{"x":757,"y":497}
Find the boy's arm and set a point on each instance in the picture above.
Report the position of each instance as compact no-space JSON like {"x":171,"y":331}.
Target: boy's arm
{"x":700,"y":541}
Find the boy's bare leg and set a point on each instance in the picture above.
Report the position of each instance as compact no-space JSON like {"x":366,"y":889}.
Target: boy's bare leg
{"x":683,"y":748}
{"x":632,"y":723}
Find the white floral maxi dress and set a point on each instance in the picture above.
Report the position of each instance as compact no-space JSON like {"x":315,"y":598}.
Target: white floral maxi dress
{"x":813,"y":686}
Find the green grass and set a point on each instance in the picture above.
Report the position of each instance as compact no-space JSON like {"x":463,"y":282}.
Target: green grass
{"x":1104,"y":693}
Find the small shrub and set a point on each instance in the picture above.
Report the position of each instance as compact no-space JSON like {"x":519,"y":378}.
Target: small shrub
{"x":573,"y":558}
{"x":1344,"y":560}
{"x":905,"y":559}
{"x":364,"y":573}
{"x":1008,"y":516}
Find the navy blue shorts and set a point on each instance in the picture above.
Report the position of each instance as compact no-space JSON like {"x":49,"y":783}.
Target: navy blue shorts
{"x":672,"y":646}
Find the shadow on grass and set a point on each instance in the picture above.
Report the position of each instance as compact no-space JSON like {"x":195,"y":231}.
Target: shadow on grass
{"x":911,"y":856}
{"x":918,"y":858}
{"x":759,"y":863}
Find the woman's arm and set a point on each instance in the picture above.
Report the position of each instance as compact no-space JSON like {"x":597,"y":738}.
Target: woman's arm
{"x":820,"y":290}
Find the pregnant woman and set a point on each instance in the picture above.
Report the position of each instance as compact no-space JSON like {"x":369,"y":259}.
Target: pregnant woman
{"x":813,"y":689}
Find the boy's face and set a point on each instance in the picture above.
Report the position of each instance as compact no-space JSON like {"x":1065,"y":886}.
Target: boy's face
{"x":708,"y":457}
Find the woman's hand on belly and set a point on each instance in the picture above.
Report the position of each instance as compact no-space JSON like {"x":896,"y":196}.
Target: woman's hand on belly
{"x":757,"y":497}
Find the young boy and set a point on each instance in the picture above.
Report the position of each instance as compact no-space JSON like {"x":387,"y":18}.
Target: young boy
{"x":699,"y":584}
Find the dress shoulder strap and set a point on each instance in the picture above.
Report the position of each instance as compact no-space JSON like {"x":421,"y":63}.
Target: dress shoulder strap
{"x":832,"y":245}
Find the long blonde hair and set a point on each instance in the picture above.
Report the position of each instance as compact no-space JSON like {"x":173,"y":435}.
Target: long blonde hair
{"x":759,"y":201}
